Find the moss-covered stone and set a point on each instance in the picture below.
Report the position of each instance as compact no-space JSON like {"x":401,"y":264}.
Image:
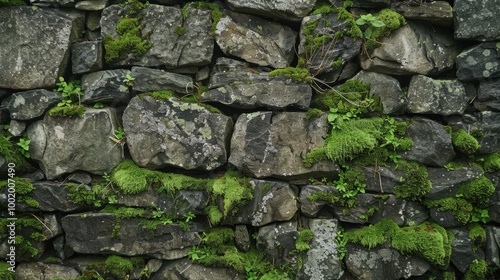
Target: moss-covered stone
{"x":459,"y":207}
{"x":477,"y":191}
{"x":464,"y":141}
{"x":392,"y":21}
{"x":415,"y":182}
{"x":295,"y":73}
{"x":68,"y":111}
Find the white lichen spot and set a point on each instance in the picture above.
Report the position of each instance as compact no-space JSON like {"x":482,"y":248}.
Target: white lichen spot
{"x":59,"y":131}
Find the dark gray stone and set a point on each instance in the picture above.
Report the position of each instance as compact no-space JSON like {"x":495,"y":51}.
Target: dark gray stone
{"x":489,"y":93}
{"x":106,"y":86}
{"x":441,"y":97}
{"x":91,"y":5}
{"x":30,"y":104}
{"x":80,"y":177}
{"x":242,"y":238}
{"x":86,"y":57}
{"x":25,"y":66}
{"x":434,"y":12}
{"x":311,"y":208}
{"x":446,"y":183}
{"x":277,"y":241}
{"x":479,"y":62}
{"x":176,"y":133}
{"x":93,"y":20}
{"x":53,"y":196}
{"x":431,"y":143}
{"x":262,"y":143}
{"x":16,"y":127}
{"x":492,"y":248}
{"x":487,"y":122}
{"x":359,"y":213}
{"x":59,"y":146}
{"x":477,"y":20}
{"x":61,"y":250}
{"x":463,"y":250}
{"x":400,"y":211}
{"x":228,"y":71}
{"x":51,"y":227}
{"x":147,"y":79}
{"x":255,"y":40}
{"x":364,"y":3}
{"x":187,"y":270}
{"x":382,"y":179}
{"x":286,"y":10}
{"x":38,"y":270}
{"x":445,"y":219}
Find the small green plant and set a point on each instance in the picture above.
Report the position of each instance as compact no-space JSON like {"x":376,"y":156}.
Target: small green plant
{"x":98,"y":105}
{"x":453,"y":165}
{"x":129,"y":80}
{"x":179,"y":31}
{"x":372,"y":22}
{"x":24,"y":144}
{"x":120,"y":139}
{"x":71,"y":92}
{"x":480,"y":215}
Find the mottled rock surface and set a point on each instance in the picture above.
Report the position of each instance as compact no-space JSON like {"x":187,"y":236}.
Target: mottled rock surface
{"x":106,"y":86}
{"x":147,"y":79}
{"x":281,"y":9}
{"x":477,"y":20}
{"x":87,"y":57}
{"x":192,"y":271}
{"x":30,"y":104}
{"x":479,"y":62}
{"x":435,"y":12}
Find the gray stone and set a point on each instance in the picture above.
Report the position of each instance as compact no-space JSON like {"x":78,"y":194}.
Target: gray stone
{"x":360,"y":212}
{"x":431,"y":143}
{"x":434,"y":12}
{"x":51,"y":227}
{"x":242,"y":238}
{"x":38,"y":270}
{"x":93,"y":20}
{"x":280,"y":9}
{"x":492,"y":248}
{"x":16,"y":127}
{"x":53,"y":196}
{"x":62,"y":251}
{"x":92,"y":233}
{"x":25,"y":66}
{"x":487,"y":122}
{"x":479,"y":62}
{"x":86,"y":57}
{"x":203,"y":74}
{"x":262,"y":143}
{"x":311,"y":208}
{"x":441,"y":97}
{"x":194,"y":47}
{"x":445,"y":219}
{"x":91,"y":5}
{"x":464,"y":250}
{"x":54,"y":271}
{"x":256,"y":40}
{"x":277,"y":241}
{"x":382,"y":263}
{"x":400,"y":211}
{"x":382,"y":179}
{"x":80,"y":177}
{"x":415,"y":48}
{"x":228,"y":71}
{"x":321,"y":260}
{"x":30,"y":104}
{"x":106,"y":86}
{"x":446,"y":183}
{"x":321,"y":60}
{"x":183,"y":202}
{"x":489,"y":93}
{"x":364,"y":3}
{"x":477,"y":20}
{"x":187,"y":270}
{"x":147,"y":79}
{"x":175,"y":133}
{"x":59,"y":145}
{"x":387,"y":88}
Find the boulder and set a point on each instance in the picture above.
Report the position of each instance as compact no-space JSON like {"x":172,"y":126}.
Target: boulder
{"x":440,"y":97}
{"x":489,"y":93}
{"x":86,"y":57}
{"x":30,"y":104}
{"x":281,"y":9}
{"x":25,"y":66}
{"x":322,"y":261}
{"x":106,"y":86}
{"x":431,"y":143}
{"x":147,"y":79}
{"x":193,"y":271}
{"x":477,"y":20}
{"x":175,"y":133}
{"x":415,"y":48}
{"x":277,"y":241}
{"x":446,"y":183}
{"x":434,"y":12}
{"x":59,"y":146}
{"x":256,"y":40}
{"x":479,"y":62}
{"x":170,"y":48}
{"x":265,"y":145}
{"x":98,"y":233}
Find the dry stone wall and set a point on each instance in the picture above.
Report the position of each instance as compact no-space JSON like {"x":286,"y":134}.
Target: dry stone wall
{"x":250,"y":139}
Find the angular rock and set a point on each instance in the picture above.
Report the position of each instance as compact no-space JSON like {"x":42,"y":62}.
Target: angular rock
{"x":147,"y":79}
{"x":445,"y":219}
{"x":387,"y":88}
{"x":266,"y":145}
{"x":321,"y":260}
{"x":25,"y":66}
{"x":486,"y":122}
{"x":431,"y":143}
{"x":30,"y":104}
{"x":38,"y":270}
{"x":106,"y":86}
{"x":272,"y":202}
{"x":80,"y":177}
{"x":86,"y":57}
{"x":175,"y":133}
{"x":93,"y":21}
{"x":477,"y":20}
{"x":91,"y":5}
{"x":360,"y":213}
{"x":492,"y":249}
{"x":434,"y":12}
{"x":382,"y":263}
{"x":414,"y":48}
{"x":463,"y":250}
{"x":382,"y":179}
{"x":53,"y":196}
{"x":400,"y":211}
{"x":256,"y":40}
{"x":441,"y":97}
{"x":364,"y":3}
{"x":479,"y":62}
{"x":278,"y":242}
{"x":228,"y":71}
{"x":59,"y":146}
{"x":92,"y":233}
{"x":192,"y":271}
{"x":326,"y":58}
{"x":286,"y":10}
{"x":242,"y":238}
{"x":194,"y":47}
{"x":51,"y":228}
{"x":16,"y":127}
{"x":489,"y":93}
{"x":310,"y":208}
{"x":446,"y":183}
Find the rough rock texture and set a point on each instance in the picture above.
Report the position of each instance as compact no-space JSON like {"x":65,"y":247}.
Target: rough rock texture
{"x":86,"y":57}
{"x":431,"y":143}
{"x":321,"y":59}
{"x":53,"y":196}
{"x":93,"y":234}
{"x":492,"y":249}
{"x":176,"y":133}
{"x":387,"y":88}
{"x":446,"y":183}
{"x":363,"y":3}
{"x":194,"y":47}
{"x":256,"y":40}
{"x":382,"y":263}
{"x":228,"y":72}
{"x":105,"y":86}
{"x":479,"y":62}
{"x":321,"y":260}
{"x":477,"y":20}
{"x":280,"y":9}
{"x":16,"y":127}
{"x":311,"y":208}
{"x":187,"y":270}
{"x":272,"y":202}
{"x":38,"y":270}
{"x":382,"y":179}
{"x":441,"y":97}
{"x":415,"y":48}
{"x":25,"y":66}
{"x":489,"y":93}
{"x":30,"y":104}
{"x":266,"y":145}
{"x":59,"y":146}
{"x":462,"y":252}
{"x":400,"y":211}
{"x":147,"y":79}
{"x":278,"y":242}
{"x":487,"y":122}
{"x":435,"y":12}
{"x":91,"y":5}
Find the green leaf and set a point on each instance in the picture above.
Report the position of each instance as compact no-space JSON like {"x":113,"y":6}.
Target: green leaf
{"x":361,"y":21}
{"x":368,"y":32}
{"x":378,"y":23}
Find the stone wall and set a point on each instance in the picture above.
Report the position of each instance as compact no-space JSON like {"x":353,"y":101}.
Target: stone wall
{"x":250,"y":139}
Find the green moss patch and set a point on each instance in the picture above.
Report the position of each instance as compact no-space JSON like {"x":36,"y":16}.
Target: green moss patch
{"x":215,"y":8}
{"x":68,"y":111}
{"x":415,"y":182}
{"x":294,"y":73}
{"x":464,"y":142}
{"x":459,"y":207}
{"x":477,"y":191}
{"x":392,"y":21}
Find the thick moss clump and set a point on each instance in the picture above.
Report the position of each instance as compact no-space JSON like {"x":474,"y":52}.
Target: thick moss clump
{"x":12,"y":3}
{"x":346,"y":97}
{"x":415,"y":182}
{"x":459,"y":207}
{"x":294,"y":73}
{"x":113,"y":268}
{"x":392,"y":21}
{"x":235,"y":190}
{"x":67,"y":111}
{"x":24,"y":187}
{"x":492,"y":162}
{"x":478,"y":270}
{"x":478,"y":191}
{"x":464,"y":142}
